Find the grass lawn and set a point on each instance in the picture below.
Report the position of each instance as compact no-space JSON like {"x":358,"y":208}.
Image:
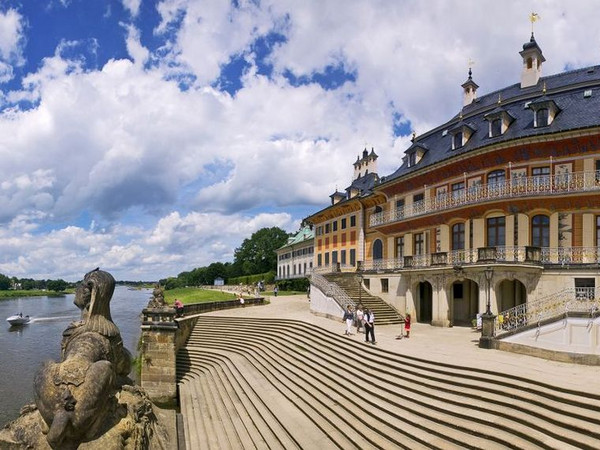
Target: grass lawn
{"x":196,"y":295}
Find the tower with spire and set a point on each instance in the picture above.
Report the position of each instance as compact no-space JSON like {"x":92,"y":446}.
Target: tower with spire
{"x":366,"y":164}
{"x":469,"y":89}
{"x":532,"y":59}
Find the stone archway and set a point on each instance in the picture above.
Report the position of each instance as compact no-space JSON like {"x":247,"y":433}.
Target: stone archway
{"x":510,"y":293}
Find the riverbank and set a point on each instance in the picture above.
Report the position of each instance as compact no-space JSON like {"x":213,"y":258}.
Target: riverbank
{"x":4,"y":295}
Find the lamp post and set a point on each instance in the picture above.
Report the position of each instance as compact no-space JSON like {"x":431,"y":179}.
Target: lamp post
{"x":489,"y":273}
{"x":487,"y":330}
{"x":360,"y":280}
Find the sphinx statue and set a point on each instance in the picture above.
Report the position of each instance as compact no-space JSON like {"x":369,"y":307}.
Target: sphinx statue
{"x":86,"y":400}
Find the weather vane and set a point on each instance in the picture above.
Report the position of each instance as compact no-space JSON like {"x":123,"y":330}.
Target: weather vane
{"x":533,"y":17}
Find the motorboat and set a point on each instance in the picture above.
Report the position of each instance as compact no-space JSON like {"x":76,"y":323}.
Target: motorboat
{"x":18,"y":319}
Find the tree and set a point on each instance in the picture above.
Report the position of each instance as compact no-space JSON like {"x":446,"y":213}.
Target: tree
{"x":257,"y":253}
{"x":4,"y":282}
{"x":57,"y":285}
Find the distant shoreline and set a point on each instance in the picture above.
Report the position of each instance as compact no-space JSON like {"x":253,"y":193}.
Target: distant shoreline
{"x":6,"y":295}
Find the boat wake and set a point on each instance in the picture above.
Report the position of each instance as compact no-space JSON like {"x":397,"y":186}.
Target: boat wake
{"x":53,"y":319}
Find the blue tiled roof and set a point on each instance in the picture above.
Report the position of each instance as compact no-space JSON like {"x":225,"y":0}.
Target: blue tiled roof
{"x":565,"y":89}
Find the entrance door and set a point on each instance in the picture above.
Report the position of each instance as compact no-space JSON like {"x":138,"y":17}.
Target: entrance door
{"x":465,"y":298}
{"x":425,"y":302}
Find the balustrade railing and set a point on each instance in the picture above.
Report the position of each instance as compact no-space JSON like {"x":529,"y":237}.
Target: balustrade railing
{"x":331,"y":290}
{"x":516,"y":187}
{"x":568,"y":301}
{"x":502,"y":254}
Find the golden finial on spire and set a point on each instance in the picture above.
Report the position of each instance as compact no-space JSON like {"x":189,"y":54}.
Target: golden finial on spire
{"x":533,"y":17}
{"x":414,"y":136}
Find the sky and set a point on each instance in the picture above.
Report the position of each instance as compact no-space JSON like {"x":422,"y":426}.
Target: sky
{"x":152,"y":137}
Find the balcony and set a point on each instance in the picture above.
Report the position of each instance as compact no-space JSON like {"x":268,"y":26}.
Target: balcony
{"x":561,"y":184}
{"x":563,"y":256}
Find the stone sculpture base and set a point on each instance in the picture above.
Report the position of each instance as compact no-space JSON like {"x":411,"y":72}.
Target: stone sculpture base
{"x":134,"y":424}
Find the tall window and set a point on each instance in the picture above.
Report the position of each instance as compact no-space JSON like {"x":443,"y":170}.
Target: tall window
{"x":458,"y":236}
{"x":418,"y":197}
{"x":352,"y":257}
{"x":335,"y":225}
{"x":344,"y":223}
{"x":352,"y":221}
{"x":496,"y":127}
{"x":400,"y":246}
{"x":326,"y":259}
{"x":497,"y":177}
{"x":540,"y":231}
{"x":458,"y":189}
{"x":541,"y":176}
{"x":377,"y":249}
{"x":496,"y":231}
{"x":419,"y":244}
{"x":334,"y":257}
{"x":343,"y":257}
{"x":541,"y":117}
{"x":598,"y":231}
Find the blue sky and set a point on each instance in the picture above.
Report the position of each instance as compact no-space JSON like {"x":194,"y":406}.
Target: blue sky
{"x":152,"y":137}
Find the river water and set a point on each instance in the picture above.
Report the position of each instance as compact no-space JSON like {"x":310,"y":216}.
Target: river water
{"x":24,"y":349}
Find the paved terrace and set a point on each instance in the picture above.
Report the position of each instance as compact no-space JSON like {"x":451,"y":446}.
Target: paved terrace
{"x":457,"y":345}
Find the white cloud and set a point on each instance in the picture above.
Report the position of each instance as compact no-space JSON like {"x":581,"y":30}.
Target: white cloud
{"x":197,"y":170}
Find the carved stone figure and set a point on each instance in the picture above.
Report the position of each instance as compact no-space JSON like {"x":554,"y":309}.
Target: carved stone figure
{"x":158,"y":298}
{"x":85,"y":401}
{"x":74,"y":396}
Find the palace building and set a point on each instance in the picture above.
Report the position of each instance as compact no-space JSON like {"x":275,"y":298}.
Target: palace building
{"x":498,"y":207}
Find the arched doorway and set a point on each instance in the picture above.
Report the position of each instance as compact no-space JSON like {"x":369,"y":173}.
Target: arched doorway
{"x":464,"y":297}
{"x":510,"y":293}
{"x":377,"y":249}
{"x":424,"y":302}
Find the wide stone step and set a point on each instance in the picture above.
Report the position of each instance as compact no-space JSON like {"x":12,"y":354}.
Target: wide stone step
{"x":457,"y":422}
{"x":454,"y":404}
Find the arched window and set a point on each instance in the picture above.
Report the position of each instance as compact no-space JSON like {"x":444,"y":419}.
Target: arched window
{"x":496,"y":177}
{"x":378,"y":209}
{"x":458,"y":236}
{"x":377,"y":249}
{"x":540,"y":231}
{"x":529,"y":63}
{"x":541,"y":117}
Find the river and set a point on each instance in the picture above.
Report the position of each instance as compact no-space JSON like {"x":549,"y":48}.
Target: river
{"x":24,"y":349}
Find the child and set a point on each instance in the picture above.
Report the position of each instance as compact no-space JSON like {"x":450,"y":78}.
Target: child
{"x":407,"y":325}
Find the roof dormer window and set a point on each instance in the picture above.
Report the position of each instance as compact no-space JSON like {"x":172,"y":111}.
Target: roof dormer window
{"x":545,"y":111}
{"x":412,"y":159}
{"x":541,"y":118}
{"x":461,"y":133}
{"x":457,"y":140}
{"x":498,"y":121}
{"x":415,"y":154}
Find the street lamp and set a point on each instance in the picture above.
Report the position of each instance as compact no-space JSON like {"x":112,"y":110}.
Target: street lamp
{"x":360,"y":280}
{"x":489,"y":273}
{"x":487,"y":330}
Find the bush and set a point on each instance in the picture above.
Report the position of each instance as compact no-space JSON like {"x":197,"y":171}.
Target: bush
{"x":296,"y":284}
{"x":267,"y":277}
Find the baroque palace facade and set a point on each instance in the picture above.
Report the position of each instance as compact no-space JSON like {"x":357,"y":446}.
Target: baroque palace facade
{"x":499,"y":206}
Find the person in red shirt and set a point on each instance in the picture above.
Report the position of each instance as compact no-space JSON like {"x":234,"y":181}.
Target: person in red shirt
{"x":407,"y":325}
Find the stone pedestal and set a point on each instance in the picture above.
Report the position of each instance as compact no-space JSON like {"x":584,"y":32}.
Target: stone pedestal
{"x":487,"y":331}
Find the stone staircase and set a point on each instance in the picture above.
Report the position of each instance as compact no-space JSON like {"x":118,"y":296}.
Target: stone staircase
{"x":349,"y":283}
{"x":284,"y":384}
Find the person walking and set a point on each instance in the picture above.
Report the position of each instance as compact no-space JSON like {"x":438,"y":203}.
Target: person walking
{"x":369,"y":322}
{"x":275,"y":290}
{"x":359,"y":319}
{"x":407,"y":325}
{"x":349,"y":318}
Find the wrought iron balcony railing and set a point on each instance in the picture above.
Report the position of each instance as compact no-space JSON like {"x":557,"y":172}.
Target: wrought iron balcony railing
{"x":517,"y":187}
{"x":535,"y":255}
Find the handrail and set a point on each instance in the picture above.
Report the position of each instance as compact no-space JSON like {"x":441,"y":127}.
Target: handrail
{"x":331,"y":290}
{"x":562,"y":303}
{"x":515,"y":187}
